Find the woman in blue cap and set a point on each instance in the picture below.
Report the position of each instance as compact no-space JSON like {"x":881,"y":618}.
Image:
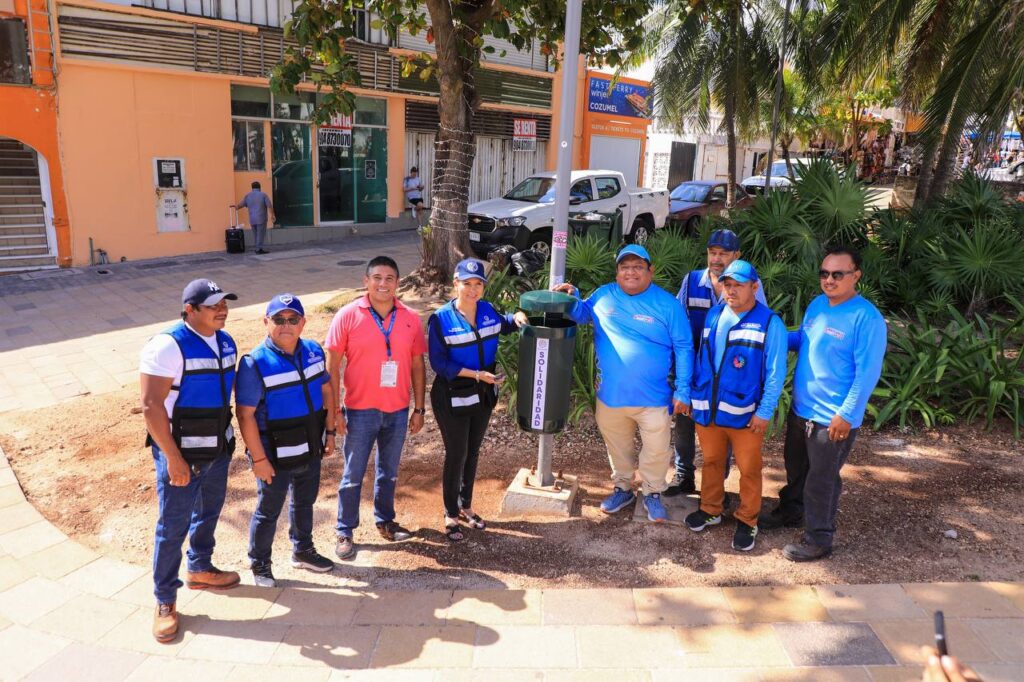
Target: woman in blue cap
{"x":463,"y":343}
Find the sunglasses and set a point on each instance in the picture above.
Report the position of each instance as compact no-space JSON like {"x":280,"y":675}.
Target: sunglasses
{"x":281,"y":321}
{"x":837,"y":275}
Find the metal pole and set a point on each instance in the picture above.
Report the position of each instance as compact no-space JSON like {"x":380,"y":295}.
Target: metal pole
{"x":563,"y":181}
{"x":778,"y":100}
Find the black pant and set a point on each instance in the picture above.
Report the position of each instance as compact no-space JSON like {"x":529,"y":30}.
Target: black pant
{"x":684,"y":437}
{"x":462,"y":437}
{"x":813,"y":483}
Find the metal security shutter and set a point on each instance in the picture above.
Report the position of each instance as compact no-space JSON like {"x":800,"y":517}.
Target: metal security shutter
{"x":423,"y":116}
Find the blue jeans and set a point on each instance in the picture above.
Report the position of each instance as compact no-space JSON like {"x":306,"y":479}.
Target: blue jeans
{"x":304,"y":482}
{"x":186,"y":511}
{"x":364,"y":428}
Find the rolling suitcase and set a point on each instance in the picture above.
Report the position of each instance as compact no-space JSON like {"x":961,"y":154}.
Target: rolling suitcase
{"x":234,"y":237}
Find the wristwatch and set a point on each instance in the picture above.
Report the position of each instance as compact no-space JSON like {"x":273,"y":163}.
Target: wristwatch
{"x":420,"y":410}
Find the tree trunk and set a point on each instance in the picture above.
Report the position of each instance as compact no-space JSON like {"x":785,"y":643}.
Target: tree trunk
{"x":948,"y":152}
{"x":789,"y":161}
{"x":447,"y":240}
{"x":730,"y":136}
{"x":924,"y":176}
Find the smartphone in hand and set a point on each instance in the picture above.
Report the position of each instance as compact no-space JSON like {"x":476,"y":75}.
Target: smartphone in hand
{"x":940,"y":634}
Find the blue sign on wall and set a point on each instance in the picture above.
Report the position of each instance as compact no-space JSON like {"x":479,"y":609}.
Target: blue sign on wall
{"x":625,"y":99}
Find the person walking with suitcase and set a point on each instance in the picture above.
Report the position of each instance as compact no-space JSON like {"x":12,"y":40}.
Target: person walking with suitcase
{"x":260,"y":209}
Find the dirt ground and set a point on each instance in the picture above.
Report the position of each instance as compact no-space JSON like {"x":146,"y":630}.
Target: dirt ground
{"x":83,"y":465}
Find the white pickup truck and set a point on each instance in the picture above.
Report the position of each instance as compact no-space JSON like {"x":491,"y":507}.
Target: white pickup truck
{"x":526,"y":215}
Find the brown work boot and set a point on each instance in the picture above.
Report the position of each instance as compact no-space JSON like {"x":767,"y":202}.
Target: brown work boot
{"x":214,"y":579}
{"x":165,"y":623}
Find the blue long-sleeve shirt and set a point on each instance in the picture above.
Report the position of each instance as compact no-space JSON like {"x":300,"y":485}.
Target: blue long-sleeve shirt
{"x":437,"y":349}
{"x":776,"y":362}
{"x":841,"y":349}
{"x":636,"y":339}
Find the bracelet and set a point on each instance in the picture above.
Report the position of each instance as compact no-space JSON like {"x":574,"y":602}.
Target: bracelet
{"x":420,"y":410}
{"x":478,"y":375}
{"x":257,"y":461}
{"x":331,"y":432}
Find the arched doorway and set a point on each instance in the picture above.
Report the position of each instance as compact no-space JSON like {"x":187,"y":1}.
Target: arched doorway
{"x":27,"y":239}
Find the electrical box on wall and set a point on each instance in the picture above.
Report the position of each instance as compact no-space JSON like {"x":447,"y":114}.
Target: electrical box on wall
{"x":171,"y":196}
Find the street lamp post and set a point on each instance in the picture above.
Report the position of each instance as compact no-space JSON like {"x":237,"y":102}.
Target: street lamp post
{"x":563,"y":181}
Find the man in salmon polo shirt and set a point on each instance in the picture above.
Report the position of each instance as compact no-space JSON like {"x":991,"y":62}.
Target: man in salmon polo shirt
{"x":382,"y":345}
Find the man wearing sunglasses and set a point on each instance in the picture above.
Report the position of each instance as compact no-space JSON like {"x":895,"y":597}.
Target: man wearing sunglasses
{"x":187,"y":374}
{"x":840,"y":345}
{"x":286,"y":415}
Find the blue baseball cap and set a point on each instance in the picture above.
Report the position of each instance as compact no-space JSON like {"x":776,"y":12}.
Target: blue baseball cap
{"x":740,"y":271}
{"x":725,"y":239}
{"x":470,"y":268}
{"x":285,"y":302}
{"x":633,"y":250}
{"x":204,"y":292}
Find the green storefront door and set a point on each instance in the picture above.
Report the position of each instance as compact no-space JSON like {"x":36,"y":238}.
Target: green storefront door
{"x":292,"y":161}
{"x":336,"y":184}
{"x":371,"y":172}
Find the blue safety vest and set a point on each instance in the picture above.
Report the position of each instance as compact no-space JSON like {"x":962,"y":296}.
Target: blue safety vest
{"x":293,"y":396}
{"x":473,"y":349}
{"x":729,"y":397}
{"x":201,"y":418}
{"x":699,"y":300}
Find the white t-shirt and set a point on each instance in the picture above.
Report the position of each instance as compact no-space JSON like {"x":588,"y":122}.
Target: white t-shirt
{"x":412,"y":187}
{"x":161,"y":357}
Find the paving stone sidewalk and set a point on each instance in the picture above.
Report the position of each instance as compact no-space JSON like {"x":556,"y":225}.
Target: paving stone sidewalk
{"x":94,"y":321}
{"x":68,"y":613}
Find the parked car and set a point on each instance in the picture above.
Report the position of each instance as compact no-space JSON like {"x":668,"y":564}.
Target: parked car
{"x":525,"y":216}
{"x":780,"y":176}
{"x":694,"y":199}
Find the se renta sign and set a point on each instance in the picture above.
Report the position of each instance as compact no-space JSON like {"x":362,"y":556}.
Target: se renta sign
{"x":524,"y":134}
{"x":540,"y":384}
{"x":625,"y":99}
{"x":337,"y":134}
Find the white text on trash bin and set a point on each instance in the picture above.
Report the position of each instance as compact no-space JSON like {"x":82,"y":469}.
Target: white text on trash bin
{"x":540,"y":384}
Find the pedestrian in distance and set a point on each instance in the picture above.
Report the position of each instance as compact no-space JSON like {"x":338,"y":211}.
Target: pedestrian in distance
{"x":412,"y":185}
{"x":840,"y":349}
{"x":261,"y":214}
{"x":463,"y":342}
{"x":738,"y":378}
{"x":700,"y":291}
{"x":287,"y":419}
{"x":381,"y":343}
{"x":640,"y":332}
{"x":187,"y":374}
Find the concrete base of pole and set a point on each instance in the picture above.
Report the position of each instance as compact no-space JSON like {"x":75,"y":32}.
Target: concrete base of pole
{"x":524,"y":498}
{"x":677,"y":507}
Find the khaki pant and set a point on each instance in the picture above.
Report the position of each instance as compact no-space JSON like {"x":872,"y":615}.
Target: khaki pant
{"x":746,"y":447}
{"x":618,"y":427}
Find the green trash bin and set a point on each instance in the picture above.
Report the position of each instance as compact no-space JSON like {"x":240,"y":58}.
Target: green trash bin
{"x":605,"y":227}
{"x":546,"y":348}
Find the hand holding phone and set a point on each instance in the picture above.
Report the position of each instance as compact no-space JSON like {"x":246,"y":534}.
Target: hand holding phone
{"x":940,"y":634}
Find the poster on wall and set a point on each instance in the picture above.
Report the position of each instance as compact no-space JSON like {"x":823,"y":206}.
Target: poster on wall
{"x":625,"y":99}
{"x":524,"y":135}
{"x":337,"y":134}
{"x":370,"y":169}
{"x":171,"y":211}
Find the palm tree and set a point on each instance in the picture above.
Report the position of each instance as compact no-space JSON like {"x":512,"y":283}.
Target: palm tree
{"x":711,"y":55}
{"x":798,"y":116}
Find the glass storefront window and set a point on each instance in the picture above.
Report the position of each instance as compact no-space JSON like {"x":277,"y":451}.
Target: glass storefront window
{"x":371,"y":111}
{"x":249,"y":145}
{"x":293,"y":173}
{"x":297,"y":107}
{"x":249,"y":101}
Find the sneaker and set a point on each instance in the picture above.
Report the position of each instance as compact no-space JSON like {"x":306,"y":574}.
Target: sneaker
{"x":263,"y":576}
{"x":165,"y":623}
{"x":699,"y":520}
{"x":681,"y":485}
{"x":311,"y":560}
{"x":213,"y":579}
{"x":805,"y":551}
{"x":774,"y":519}
{"x":345,"y":549}
{"x":392,"y":532}
{"x":619,"y":499}
{"x":743,"y":540}
{"x":655,"y":509}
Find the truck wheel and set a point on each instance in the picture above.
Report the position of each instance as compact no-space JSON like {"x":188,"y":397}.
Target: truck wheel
{"x":541,"y":241}
{"x":640,"y":232}
{"x":692,"y":226}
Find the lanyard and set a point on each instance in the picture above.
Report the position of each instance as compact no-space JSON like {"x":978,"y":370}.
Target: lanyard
{"x":380,"y":325}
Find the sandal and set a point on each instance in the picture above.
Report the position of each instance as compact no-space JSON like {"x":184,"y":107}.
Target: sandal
{"x":473,"y":520}
{"x":453,"y":532}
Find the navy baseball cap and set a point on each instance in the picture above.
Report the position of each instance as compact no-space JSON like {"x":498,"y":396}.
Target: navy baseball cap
{"x":470,"y":268}
{"x":725,"y":239}
{"x":204,"y":292}
{"x":633,"y":250}
{"x":740,"y":271}
{"x":285,"y":302}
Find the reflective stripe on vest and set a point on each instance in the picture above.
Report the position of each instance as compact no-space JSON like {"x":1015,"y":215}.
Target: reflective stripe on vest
{"x":462,"y":342}
{"x":201,"y":418}
{"x":699,"y":299}
{"x":293,"y":397}
{"x":729,"y":395}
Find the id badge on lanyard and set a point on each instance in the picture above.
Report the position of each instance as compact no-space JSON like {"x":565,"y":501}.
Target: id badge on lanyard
{"x":388,"y":368}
